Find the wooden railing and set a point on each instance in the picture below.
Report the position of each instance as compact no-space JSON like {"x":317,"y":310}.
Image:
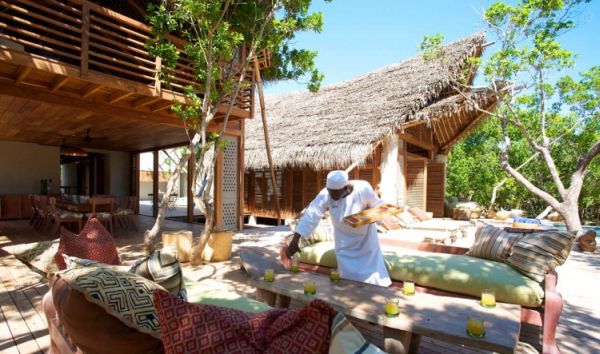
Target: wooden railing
{"x":94,"y":38}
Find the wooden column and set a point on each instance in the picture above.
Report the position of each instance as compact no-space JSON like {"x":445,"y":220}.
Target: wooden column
{"x":190,"y":182}
{"x":85,"y":38}
{"x":155,"y":183}
{"x":267,"y":141}
{"x":390,"y":171}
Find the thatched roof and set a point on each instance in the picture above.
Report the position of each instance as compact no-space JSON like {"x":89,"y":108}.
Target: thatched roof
{"x":339,"y":124}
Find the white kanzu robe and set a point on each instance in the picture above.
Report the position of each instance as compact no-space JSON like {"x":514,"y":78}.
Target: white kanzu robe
{"x":357,"y":249}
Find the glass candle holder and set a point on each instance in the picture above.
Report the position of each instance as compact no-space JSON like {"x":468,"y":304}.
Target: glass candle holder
{"x":269,"y":275}
{"x":475,"y":327}
{"x":334,"y":275}
{"x":295,"y":266}
{"x":488,"y":298}
{"x":408,"y":288}
{"x":310,"y":288}
{"x":391,"y":308}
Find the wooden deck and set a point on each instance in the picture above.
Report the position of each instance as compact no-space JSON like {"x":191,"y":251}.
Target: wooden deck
{"x":23,"y":326}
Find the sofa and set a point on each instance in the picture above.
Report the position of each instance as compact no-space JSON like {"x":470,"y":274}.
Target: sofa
{"x":449,"y":271}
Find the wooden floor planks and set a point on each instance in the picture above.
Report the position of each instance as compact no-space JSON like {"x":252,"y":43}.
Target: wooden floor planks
{"x":24,"y":328}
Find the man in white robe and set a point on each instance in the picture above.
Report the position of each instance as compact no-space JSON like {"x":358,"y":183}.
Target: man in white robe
{"x":357,"y":249}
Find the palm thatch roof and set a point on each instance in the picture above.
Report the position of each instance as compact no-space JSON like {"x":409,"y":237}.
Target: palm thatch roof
{"x":338,"y":125}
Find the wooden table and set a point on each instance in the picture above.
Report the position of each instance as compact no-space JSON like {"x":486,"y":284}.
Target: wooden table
{"x":439,"y":317}
{"x":73,"y":206}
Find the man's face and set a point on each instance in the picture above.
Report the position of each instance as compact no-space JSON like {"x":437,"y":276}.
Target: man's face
{"x":337,"y":194}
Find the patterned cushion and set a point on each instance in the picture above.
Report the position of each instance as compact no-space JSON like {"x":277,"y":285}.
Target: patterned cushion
{"x":99,"y":215}
{"x":493,"y":243}
{"x":121,"y":212}
{"x":540,"y":252}
{"x":124,"y":295}
{"x":323,"y":232}
{"x":163,"y":268}
{"x":407,"y":218}
{"x":345,"y":338}
{"x":76,"y":262}
{"x":69,"y":214}
{"x":189,"y":328}
{"x":39,"y":255}
{"x":94,"y":242}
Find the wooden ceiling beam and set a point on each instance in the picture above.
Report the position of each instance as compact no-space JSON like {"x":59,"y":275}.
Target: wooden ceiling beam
{"x":158,"y":108}
{"x":58,"y":82}
{"x":22,"y":73}
{"x":90,"y":90}
{"x":119,"y":95}
{"x":93,"y":105}
{"x":416,"y":141}
{"x":145,"y":101}
{"x":472,"y":125}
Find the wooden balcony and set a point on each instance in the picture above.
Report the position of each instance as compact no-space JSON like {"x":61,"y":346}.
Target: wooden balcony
{"x":86,"y":57}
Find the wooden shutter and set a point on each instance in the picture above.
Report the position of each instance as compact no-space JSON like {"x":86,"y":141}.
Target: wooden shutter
{"x":416,"y":177}
{"x":435,"y":188}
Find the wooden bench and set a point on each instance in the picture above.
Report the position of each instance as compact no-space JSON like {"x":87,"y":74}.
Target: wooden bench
{"x":443,"y":318}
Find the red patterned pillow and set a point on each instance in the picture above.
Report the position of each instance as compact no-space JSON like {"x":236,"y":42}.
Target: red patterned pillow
{"x":197,"y":328}
{"x":93,"y":242}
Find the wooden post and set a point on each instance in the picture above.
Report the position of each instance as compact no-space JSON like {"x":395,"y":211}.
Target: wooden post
{"x":85,"y":38}
{"x":263,"y":113}
{"x":155,"y":183}
{"x":388,"y":185}
{"x":190,"y":182}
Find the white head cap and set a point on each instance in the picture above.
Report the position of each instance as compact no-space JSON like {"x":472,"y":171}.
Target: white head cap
{"x":337,"y":180}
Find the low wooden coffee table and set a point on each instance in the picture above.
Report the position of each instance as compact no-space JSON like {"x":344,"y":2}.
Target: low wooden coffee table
{"x":440,"y":317}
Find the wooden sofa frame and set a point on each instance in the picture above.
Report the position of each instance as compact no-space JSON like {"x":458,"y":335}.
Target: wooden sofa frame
{"x":545,"y":316}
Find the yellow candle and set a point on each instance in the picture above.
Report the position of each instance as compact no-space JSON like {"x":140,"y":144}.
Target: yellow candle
{"x":475,"y":327}
{"x":310,"y":288}
{"x":408,"y":288}
{"x":295,"y":266}
{"x":269,"y":275}
{"x":488,"y":298}
{"x":391,"y":308}
{"x":334,"y":275}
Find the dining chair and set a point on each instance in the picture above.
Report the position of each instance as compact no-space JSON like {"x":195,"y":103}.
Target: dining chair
{"x":60,"y":217}
{"x":124,"y":216}
{"x":103,"y":208}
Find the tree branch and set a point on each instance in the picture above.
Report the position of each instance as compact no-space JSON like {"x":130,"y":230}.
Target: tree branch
{"x":581,"y":169}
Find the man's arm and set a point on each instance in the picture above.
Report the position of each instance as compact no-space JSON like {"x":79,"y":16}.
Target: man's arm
{"x":293,"y":246}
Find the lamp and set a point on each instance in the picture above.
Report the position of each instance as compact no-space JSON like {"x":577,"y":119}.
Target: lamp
{"x":66,"y":150}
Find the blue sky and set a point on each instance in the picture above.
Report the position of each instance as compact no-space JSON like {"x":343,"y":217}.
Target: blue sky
{"x":360,"y":36}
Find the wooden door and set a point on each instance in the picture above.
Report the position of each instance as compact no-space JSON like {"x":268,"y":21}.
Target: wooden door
{"x":416,"y":182}
{"x":436,"y":188}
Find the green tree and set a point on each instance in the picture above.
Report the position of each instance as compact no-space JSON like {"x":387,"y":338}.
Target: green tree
{"x":223,"y":39}
{"x":534,"y":111}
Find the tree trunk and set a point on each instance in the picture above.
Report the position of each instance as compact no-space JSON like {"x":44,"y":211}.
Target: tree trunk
{"x":570,"y":213}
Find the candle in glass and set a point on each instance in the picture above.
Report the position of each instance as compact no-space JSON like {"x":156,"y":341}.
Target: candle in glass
{"x":295,"y":266}
{"x":488,"y":298}
{"x":475,"y":327}
{"x":408,"y":288}
{"x":269,"y":275}
{"x":334,"y":275}
{"x":391,"y":308}
{"x":310,"y":288}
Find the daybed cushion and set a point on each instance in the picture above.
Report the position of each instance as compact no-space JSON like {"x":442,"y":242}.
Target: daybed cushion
{"x":197,"y":293}
{"x":455,"y":273}
{"x":539,"y":252}
{"x":419,"y":213}
{"x":93,"y":242}
{"x":95,"y":331}
{"x":39,"y":255}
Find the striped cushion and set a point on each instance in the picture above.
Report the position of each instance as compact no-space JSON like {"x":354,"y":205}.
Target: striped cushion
{"x":163,"y":268}
{"x":493,"y":243}
{"x":540,"y":252}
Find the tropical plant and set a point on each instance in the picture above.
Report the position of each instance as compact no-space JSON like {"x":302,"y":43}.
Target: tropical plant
{"x":223,"y":40}
{"x":533,"y":110}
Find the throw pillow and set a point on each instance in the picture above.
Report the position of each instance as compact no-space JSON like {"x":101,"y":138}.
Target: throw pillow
{"x":540,"y":252}
{"x":419,"y":213}
{"x":197,"y":328}
{"x":94,"y":242}
{"x":93,"y":330}
{"x":39,"y":255}
{"x":163,"y":268}
{"x":406,"y":217}
{"x":124,"y":295}
{"x":493,"y":243}
{"x":323,"y":232}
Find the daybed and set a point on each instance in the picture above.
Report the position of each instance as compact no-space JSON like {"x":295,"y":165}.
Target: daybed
{"x":447,"y":271}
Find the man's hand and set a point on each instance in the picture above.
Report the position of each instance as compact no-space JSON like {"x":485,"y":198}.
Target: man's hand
{"x":289,"y":251}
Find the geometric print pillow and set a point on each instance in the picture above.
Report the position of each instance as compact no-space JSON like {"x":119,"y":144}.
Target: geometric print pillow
{"x":124,"y":295}
{"x":93,"y":242}
{"x":540,"y":252}
{"x":198,"y":328}
{"x":493,"y":243}
{"x":163,"y":268}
